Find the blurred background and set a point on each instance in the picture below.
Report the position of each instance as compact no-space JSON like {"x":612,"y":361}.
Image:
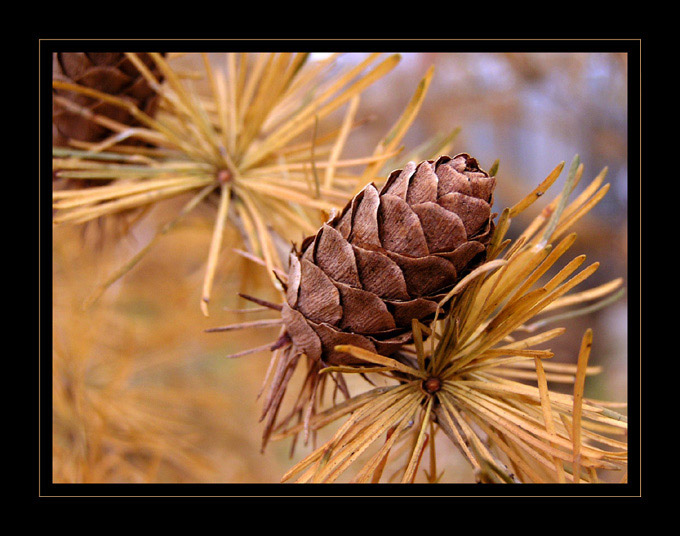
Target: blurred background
{"x":142,"y":394}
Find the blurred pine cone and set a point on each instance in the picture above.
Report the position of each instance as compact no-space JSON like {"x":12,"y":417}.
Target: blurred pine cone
{"x":108,"y":72}
{"x":388,"y":258}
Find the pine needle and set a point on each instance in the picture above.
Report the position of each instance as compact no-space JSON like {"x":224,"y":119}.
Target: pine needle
{"x":579,"y":385}
{"x":215,"y":246}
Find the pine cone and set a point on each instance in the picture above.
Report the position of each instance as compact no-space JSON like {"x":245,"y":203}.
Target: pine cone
{"x":389,"y":257}
{"x":108,"y":72}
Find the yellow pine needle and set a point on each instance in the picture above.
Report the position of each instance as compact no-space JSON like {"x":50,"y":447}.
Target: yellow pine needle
{"x":498,"y":242}
{"x":579,"y":386}
{"x":560,"y":367}
{"x":341,"y":140}
{"x":334,"y":196}
{"x":290,"y":195}
{"x":317,"y":185}
{"x":571,"y":213}
{"x":215,"y":246}
{"x":233,"y":130}
{"x":531,"y":375}
{"x":352,"y":447}
{"x":305,"y":117}
{"x":372,"y":357}
{"x":588,"y":192}
{"x":499,"y":285}
{"x":573,"y":218}
{"x":414,"y":459}
{"x":217,"y":86}
{"x":81,"y":215}
{"x":394,"y":137}
{"x":575,"y":172}
{"x":313,"y":71}
{"x":477,"y":449}
{"x":515,"y":249}
{"x":262,"y":237}
{"x":553,"y":255}
{"x":428,"y":150}
{"x":492,"y":359}
{"x":247,"y":228}
{"x":529,"y":200}
{"x":418,"y":342}
{"x":142,"y":68}
{"x":353,"y":370}
{"x":73,"y":198}
{"x":299,"y":219}
{"x":291,"y":167}
{"x":555,"y":293}
{"x":307,"y":463}
{"x":444,"y":415}
{"x":547,"y":413}
{"x":501,"y":325}
{"x":534,"y":340}
{"x":265,"y":98}
{"x":586,"y":295}
{"x":484,"y":268}
{"x":192,"y":108}
{"x":432,"y":476}
{"x":252,"y":81}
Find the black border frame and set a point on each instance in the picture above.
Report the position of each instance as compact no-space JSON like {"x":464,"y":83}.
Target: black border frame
{"x":40,"y":460}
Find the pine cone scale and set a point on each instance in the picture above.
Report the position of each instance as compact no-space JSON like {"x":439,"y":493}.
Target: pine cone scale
{"x":299,"y":329}
{"x":318,"y":298}
{"x":331,"y":337}
{"x":363,"y":311}
{"x":424,"y":275}
{"x":365,"y":230}
{"x":473,"y":212}
{"x":443,"y":229}
{"x":400,"y":229}
{"x":335,"y":256}
{"x":463,"y":255}
{"x":404,"y":311}
{"x":423,"y":186}
{"x":398,"y":181}
{"x":106,"y":79}
{"x":380,"y":274}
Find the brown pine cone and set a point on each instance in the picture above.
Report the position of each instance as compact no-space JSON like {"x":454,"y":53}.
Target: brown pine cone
{"x":389,"y":257}
{"x":108,"y":72}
